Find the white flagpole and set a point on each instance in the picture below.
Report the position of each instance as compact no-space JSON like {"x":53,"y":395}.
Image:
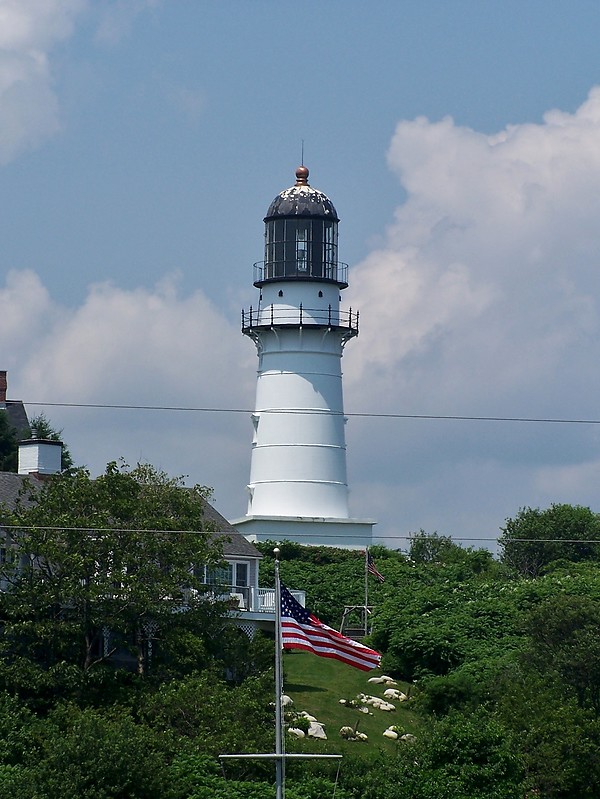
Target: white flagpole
{"x":279,"y":756}
{"x":366,"y":589}
{"x":279,"y":739}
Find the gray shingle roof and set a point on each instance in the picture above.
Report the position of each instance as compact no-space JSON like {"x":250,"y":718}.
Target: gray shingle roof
{"x":17,"y":416}
{"x":10,"y":485}
{"x":237,"y":544}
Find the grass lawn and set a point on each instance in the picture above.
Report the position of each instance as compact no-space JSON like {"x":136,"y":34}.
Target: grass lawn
{"x":317,"y":684}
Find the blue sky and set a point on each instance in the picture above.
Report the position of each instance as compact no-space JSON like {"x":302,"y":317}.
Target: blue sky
{"x":142,"y":141}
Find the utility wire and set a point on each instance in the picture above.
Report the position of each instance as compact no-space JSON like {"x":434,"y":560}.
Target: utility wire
{"x":358,"y":414}
{"x":299,"y":535}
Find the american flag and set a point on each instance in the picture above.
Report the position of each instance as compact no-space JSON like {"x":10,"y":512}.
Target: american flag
{"x":300,"y":629}
{"x":372,"y":569}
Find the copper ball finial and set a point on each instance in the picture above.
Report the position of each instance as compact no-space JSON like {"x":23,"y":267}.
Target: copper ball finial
{"x":302,"y":176}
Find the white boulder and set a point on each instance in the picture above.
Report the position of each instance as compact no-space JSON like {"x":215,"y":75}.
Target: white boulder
{"x":391,"y":734}
{"x":316,"y":730}
{"x":394,"y":693}
{"x":295,"y":732}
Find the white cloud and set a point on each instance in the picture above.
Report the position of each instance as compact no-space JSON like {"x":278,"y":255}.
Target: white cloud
{"x":29,"y":30}
{"x":140,"y":347}
{"x":483,"y":300}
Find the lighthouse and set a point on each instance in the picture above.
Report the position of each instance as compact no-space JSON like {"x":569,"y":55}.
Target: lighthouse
{"x":298,"y":489}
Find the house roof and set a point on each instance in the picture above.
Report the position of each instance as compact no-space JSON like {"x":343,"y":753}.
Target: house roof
{"x":234,"y":544}
{"x":10,"y":485}
{"x":17,"y":416}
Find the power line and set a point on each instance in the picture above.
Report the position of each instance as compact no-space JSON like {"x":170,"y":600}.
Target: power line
{"x":357,"y":414}
{"x":224,"y":534}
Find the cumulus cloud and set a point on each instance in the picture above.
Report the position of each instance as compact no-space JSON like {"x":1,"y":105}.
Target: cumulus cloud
{"x":29,"y":30}
{"x":483,"y":300}
{"x":139,"y":347}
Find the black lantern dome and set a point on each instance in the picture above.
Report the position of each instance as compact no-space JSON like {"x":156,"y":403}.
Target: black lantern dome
{"x":302,"y":200}
{"x":301,"y":236}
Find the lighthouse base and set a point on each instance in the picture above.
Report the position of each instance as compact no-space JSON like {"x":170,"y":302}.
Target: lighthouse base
{"x":307,"y":530}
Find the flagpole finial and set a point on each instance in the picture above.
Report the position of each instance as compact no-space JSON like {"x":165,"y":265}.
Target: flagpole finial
{"x":277,"y":553}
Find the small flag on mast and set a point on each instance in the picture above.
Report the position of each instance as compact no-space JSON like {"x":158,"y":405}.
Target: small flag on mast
{"x":300,"y":629}
{"x":372,"y":569}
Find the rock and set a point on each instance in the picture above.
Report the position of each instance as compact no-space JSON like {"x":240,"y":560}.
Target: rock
{"x":286,"y":701}
{"x":296,"y":732}
{"x":376,"y":680}
{"x":307,"y":716}
{"x":394,"y":693}
{"x":316,"y":730}
{"x":347,"y":732}
{"x":369,"y":700}
{"x":362,"y":736}
{"x":343,"y":701}
{"x":391,"y":734}
{"x":408,"y":738}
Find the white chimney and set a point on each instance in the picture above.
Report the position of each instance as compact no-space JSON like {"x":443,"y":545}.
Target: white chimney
{"x":39,"y":456}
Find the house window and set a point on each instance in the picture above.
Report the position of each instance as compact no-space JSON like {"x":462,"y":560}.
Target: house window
{"x":241,"y":575}
{"x":220,"y":575}
{"x":234,"y":574}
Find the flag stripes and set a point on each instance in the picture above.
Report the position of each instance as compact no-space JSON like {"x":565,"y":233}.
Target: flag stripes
{"x":300,"y":629}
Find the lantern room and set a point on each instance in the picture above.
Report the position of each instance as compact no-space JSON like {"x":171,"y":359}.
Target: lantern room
{"x":301,"y":237}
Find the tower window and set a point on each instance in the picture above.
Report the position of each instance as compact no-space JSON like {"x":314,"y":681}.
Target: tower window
{"x":320,"y":294}
{"x":280,"y":293}
{"x":302,"y":244}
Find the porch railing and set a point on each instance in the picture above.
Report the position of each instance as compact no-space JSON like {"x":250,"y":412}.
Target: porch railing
{"x":248,"y":598}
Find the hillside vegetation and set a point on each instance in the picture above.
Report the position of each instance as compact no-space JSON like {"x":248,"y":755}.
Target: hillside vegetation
{"x":503,"y":656}
{"x":500,"y":659}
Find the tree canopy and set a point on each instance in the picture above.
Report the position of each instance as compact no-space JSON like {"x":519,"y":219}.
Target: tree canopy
{"x":535,"y":538}
{"x":97,"y":567}
{"x":8,"y":444}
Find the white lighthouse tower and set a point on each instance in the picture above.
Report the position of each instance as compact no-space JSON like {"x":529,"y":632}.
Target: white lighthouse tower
{"x":298,"y":487}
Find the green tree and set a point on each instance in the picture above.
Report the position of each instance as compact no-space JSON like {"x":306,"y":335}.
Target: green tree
{"x":89,"y":754}
{"x":8,"y":444}
{"x":429,"y":547}
{"x":535,"y":538}
{"x":216,"y":717}
{"x":41,"y":427}
{"x":99,"y":564}
{"x":564,"y":638}
{"x":558,"y":740}
{"x":462,"y":755}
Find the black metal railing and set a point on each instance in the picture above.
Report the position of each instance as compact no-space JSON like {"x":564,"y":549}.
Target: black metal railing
{"x":333,"y":271}
{"x":272,"y":316}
